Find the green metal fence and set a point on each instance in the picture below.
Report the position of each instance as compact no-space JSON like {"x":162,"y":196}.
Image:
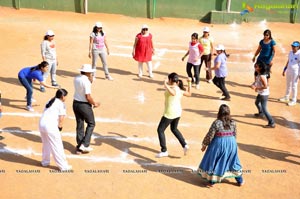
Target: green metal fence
{"x":211,"y":11}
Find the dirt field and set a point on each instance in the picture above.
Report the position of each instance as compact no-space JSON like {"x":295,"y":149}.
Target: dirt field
{"x":125,"y":142}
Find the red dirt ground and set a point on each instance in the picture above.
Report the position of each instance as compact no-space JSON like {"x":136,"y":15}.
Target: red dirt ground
{"x":125,"y":142}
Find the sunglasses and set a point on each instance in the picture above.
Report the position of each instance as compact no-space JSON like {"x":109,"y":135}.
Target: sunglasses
{"x":145,"y":29}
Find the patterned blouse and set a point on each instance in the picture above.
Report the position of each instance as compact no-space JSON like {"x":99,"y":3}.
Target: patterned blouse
{"x":217,"y":127}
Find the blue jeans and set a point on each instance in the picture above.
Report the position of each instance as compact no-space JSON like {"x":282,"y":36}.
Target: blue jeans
{"x":27,"y":83}
{"x":261,"y":104}
{"x":84,"y":113}
{"x":164,"y":123}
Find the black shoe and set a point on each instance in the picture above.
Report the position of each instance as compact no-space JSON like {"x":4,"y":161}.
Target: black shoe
{"x":226,"y":98}
{"x":259,"y":115}
{"x":269,"y":126}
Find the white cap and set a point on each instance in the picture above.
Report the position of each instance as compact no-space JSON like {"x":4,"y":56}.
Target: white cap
{"x":206,"y":29}
{"x":220,"y":47}
{"x":144,"y":26}
{"x":49,"y":33}
{"x":87,"y":68}
{"x":98,"y":24}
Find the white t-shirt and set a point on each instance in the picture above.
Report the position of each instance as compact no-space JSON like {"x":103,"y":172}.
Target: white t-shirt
{"x":82,"y":87}
{"x":294,"y":62}
{"x":50,"y":117}
{"x":48,"y":49}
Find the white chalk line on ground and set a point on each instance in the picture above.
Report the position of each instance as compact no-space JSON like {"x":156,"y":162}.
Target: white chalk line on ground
{"x":122,"y":158}
{"x":97,"y":119}
{"x":152,"y":140}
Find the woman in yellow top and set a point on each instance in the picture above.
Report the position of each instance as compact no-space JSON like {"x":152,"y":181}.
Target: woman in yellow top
{"x":207,"y":42}
{"x":174,"y":91}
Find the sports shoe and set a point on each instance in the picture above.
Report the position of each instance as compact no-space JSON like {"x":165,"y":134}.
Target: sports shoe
{"x":209,"y":81}
{"x":198,"y":86}
{"x":259,"y":115}
{"x":185,"y":149}
{"x":32,"y":99}
{"x":85,"y":149}
{"x":29,"y":108}
{"x":269,"y":126}
{"x":162,"y":154}
{"x":42,"y":89}
{"x":108,"y":77}
{"x":292,"y":103}
{"x":151,"y":76}
{"x":226,"y":98}
{"x":55,"y":84}
{"x":284,"y":99}
{"x":68,"y":168}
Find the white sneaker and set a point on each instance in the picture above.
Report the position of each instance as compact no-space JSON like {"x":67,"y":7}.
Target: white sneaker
{"x":162,"y":154}
{"x":109,"y":78}
{"x":284,"y":99}
{"x":198,"y":86}
{"x":85,"y":149}
{"x":185,"y":149}
{"x":292,"y":103}
{"x":68,"y":168}
{"x":29,"y":108}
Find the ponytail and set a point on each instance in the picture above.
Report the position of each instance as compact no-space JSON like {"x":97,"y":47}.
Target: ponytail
{"x":59,"y":94}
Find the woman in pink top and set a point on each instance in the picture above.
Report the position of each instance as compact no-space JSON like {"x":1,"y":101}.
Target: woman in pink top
{"x":143,"y":50}
{"x":194,"y":52}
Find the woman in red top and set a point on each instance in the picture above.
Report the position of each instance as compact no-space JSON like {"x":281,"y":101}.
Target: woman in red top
{"x":143,"y":50}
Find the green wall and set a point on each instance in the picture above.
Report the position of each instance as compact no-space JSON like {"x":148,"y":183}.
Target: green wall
{"x":271,"y":10}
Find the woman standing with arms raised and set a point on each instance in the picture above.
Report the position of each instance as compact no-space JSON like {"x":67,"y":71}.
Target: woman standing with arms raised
{"x":173,"y":94}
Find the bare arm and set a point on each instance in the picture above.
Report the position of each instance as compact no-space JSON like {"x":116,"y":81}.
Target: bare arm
{"x":91,"y":100}
{"x":60,"y":121}
{"x":134,"y":45}
{"x":90,"y":47}
{"x":256,"y":53}
{"x":186,"y":54}
{"x":169,"y":88}
{"x":188,"y":92}
{"x":106,"y":45}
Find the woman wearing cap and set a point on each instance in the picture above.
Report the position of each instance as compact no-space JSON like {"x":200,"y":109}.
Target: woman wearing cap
{"x":173,"y":94}
{"x":26,"y":75}
{"x":50,"y":124}
{"x":83,"y":105}
{"x":143,"y":50}
{"x":291,"y":70}
{"x":194,"y":52}
{"x":220,"y":68}
{"x":207,"y":42}
{"x":48,"y":50}
{"x":97,"y":47}
{"x":266,"y":51}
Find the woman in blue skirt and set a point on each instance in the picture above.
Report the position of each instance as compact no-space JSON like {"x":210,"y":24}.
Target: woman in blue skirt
{"x":221,"y":159}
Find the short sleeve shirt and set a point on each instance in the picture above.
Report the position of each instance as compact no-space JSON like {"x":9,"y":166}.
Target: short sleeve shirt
{"x":222,"y":71}
{"x":82,"y":87}
{"x":98,"y":40}
{"x":173,"y":104}
{"x":206,"y":43}
{"x":28,"y":74}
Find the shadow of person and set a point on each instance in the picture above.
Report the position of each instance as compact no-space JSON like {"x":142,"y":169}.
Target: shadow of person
{"x":118,"y":141}
{"x":25,"y":134}
{"x":180,"y":173}
{"x":9,"y":155}
{"x":269,"y":153}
